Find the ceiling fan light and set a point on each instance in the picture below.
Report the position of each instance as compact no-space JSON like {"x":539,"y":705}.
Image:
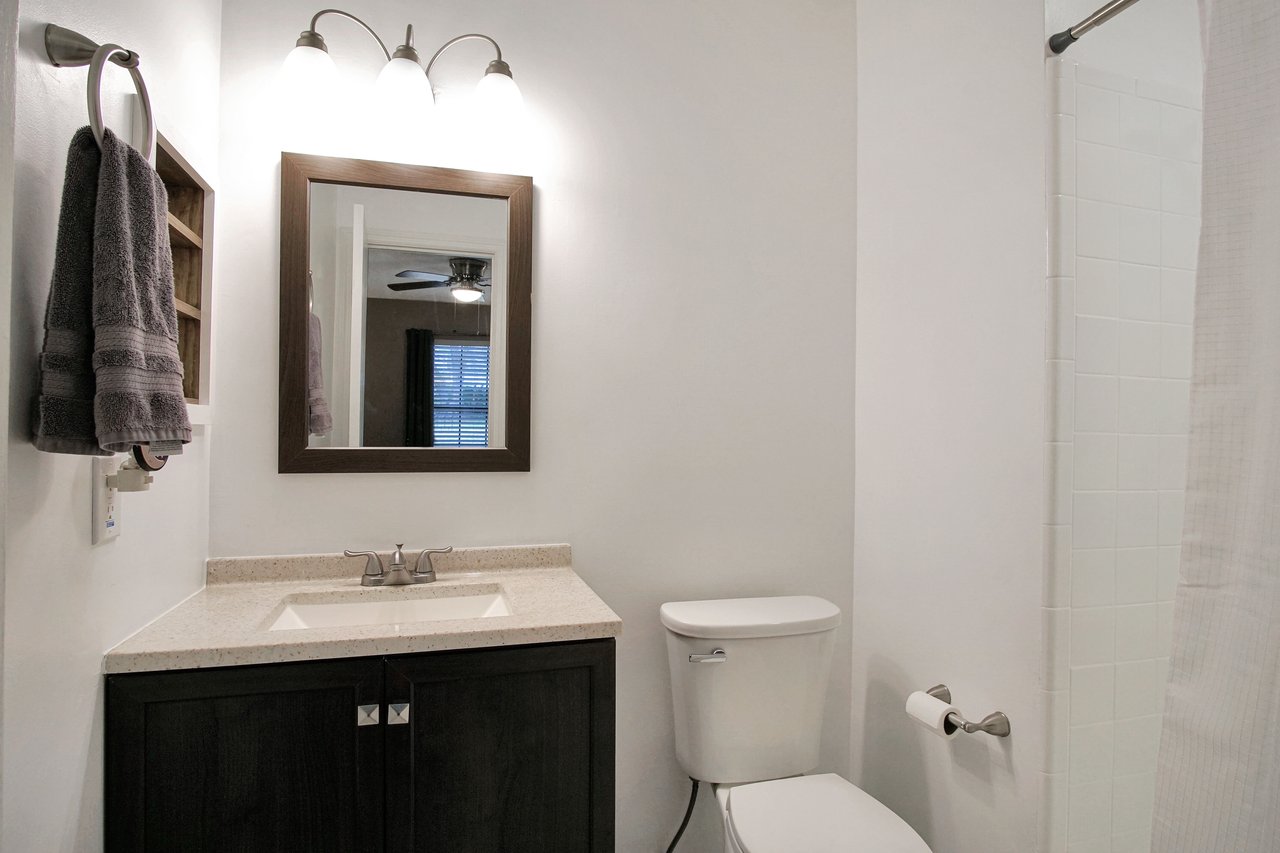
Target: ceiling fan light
{"x":466,"y":292}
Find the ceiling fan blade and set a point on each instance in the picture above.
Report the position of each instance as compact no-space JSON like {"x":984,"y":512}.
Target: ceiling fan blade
{"x":415,"y":285}
{"x":420,"y":275}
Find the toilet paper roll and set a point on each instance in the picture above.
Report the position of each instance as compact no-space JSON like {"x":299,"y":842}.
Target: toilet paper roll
{"x":932,"y":714}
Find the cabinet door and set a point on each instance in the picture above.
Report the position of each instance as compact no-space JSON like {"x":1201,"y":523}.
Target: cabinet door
{"x":254,"y":759}
{"x":505,"y":750}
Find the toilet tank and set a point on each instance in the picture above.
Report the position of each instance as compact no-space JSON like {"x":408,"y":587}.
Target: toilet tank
{"x":757,"y":713}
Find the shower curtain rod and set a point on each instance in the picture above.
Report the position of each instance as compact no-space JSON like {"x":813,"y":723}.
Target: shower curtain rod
{"x":1066,"y":38}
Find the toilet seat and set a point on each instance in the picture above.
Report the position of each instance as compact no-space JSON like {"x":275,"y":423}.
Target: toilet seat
{"x":815,"y":814}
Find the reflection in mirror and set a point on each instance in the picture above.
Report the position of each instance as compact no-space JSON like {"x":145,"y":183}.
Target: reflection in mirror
{"x":408,"y":301}
{"x":404,"y":317}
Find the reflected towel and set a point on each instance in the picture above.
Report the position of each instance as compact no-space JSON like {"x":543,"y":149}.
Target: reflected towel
{"x":319,"y":419}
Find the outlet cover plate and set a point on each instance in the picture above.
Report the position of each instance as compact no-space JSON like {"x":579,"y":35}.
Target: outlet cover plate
{"x":106,"y":501}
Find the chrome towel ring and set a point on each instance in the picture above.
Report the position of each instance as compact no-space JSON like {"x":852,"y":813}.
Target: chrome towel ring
{"x":67,"y":48}
{"x":99,"y":61}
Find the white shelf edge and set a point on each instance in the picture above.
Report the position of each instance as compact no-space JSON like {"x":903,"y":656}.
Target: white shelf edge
{"x":200,"y":414}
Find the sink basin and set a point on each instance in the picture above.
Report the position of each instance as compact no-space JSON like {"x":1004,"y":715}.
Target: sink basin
{"x":328,"y":611}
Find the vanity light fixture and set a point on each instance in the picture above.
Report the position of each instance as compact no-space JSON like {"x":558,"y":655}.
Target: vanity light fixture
{"x":403,"y":83}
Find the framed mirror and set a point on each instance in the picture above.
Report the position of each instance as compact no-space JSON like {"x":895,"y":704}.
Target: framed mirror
{"x":404,"y":317}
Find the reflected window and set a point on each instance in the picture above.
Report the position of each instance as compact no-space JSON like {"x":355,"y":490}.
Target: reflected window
{"x":460,"y":393}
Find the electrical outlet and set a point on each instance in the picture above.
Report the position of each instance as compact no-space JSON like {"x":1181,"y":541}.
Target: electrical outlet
{"x":106,"y":501}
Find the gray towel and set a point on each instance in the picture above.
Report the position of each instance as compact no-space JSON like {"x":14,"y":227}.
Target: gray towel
{"x":319,"y":419}
{"x":135,"y":324}
{"x":64,"y":411}
{"x":113,"y":337}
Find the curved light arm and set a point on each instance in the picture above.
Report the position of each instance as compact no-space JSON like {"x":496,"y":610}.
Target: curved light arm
{"x":315,"y":18}
{"x":451,"y":42}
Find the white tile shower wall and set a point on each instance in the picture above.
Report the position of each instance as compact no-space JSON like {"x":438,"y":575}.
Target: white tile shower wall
{"x":1124,"y":197}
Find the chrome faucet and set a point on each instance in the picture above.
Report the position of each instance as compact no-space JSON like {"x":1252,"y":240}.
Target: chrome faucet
{"x":399,"y":574}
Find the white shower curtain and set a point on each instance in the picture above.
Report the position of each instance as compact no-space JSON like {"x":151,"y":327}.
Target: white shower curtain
{"x":1218,"y":786}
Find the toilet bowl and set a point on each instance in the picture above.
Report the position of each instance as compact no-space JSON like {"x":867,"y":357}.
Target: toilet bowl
{"x":748,"y":682}
{"x":811,"y":814}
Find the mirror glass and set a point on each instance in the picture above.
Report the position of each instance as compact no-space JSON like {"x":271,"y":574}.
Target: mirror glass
{"x":405,"y":317}
{"x":408,"y":298}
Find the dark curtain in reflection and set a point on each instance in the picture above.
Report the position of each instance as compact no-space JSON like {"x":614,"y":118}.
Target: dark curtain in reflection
{"x":419,"y":368}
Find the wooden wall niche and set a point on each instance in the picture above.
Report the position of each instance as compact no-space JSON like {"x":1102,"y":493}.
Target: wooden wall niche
{"x":190,"y":229}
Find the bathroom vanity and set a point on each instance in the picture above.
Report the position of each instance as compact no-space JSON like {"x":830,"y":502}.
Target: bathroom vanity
{"x":227,"y":732}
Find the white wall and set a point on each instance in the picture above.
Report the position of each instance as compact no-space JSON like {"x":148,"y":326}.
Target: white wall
{"x":947,"y":580}
{"x":8,"y":51}
{"x":692,"y":162}
{"x":66,"y":601}
{"x":1157,"y":40}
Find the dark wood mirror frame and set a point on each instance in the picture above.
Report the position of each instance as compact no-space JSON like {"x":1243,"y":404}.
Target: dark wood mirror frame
{"x":297,"y":173}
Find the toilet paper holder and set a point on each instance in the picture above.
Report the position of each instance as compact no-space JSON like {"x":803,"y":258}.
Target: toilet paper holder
{"x":996,"y":723}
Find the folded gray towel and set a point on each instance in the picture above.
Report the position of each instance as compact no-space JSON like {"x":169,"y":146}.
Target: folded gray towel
{"x":319,"y":419}
{"x":64,"y":410}
{"x":135,"y":324}
{"x":110,"y":375}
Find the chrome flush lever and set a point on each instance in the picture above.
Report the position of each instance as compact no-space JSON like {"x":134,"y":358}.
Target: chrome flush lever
{"x":716,"y":656}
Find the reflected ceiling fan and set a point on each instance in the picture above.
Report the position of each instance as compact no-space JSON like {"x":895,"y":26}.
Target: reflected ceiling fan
{"x":465,"y":284}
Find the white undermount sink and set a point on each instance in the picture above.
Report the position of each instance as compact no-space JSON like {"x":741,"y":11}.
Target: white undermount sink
{"x":329,"y":611}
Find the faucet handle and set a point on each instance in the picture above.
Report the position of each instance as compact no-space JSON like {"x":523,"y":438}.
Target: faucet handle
{"x":426,"y":553}
{"x":373,"y":560}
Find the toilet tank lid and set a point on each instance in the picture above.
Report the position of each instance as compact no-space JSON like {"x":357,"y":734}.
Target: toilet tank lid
{"x":742,"y":618}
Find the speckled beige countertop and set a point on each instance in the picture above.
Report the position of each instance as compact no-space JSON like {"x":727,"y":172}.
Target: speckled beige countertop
{"x":225,"y":624}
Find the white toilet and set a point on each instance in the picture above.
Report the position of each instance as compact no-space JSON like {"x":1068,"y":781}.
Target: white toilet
{"x":748,"y":680}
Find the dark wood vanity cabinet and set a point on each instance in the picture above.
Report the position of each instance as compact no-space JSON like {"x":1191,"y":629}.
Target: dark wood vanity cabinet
{"x":503,"y":751}
{"x":245,"y":759}
{"x":477,"y":751}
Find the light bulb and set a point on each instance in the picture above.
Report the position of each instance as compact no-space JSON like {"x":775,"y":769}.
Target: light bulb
{"x":402,"y":88}
{"x":466,"y":293}
{"x":498,"y":95}
{"x":308,"y":72}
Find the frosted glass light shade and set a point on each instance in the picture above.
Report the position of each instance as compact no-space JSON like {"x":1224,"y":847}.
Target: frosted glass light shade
{"x":498,"y":95}
{"x":466,"y":293}
{"x":308,"y":71}
{"x":402,"y":86}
